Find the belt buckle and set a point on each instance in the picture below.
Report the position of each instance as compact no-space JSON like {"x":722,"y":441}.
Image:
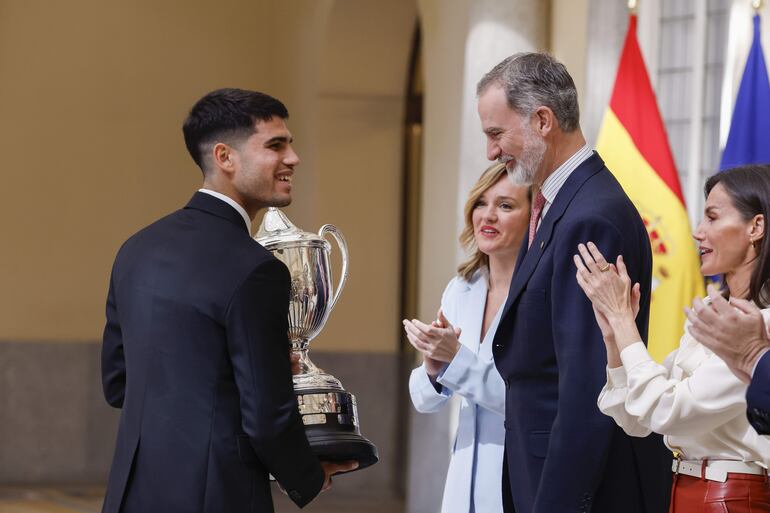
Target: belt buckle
{"x":716,"y":474}
{"x":678,"y":460}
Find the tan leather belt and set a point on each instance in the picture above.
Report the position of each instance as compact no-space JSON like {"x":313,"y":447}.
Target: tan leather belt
{"x":717,"y":470}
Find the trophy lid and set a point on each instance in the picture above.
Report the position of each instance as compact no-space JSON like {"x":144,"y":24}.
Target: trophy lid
{"x":277,"y":232}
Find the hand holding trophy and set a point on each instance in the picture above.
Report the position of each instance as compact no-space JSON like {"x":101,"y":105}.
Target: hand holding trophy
{"x":328,"y":411}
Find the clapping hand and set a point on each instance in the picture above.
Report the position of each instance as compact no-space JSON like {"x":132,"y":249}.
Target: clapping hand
{"x":734,"y":330}
{"x":607,"y":286}
{"x":614,"y":299}
{"x":438,"y":342}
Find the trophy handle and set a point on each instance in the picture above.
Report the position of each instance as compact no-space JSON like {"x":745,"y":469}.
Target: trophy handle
{"x":331,"y":229}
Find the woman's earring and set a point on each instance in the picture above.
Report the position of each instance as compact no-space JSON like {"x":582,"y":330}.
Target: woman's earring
{"x":753,"y":243}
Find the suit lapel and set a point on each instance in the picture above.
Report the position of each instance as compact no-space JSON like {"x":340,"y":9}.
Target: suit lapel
{"x":529,"y":258}
{"x":471,"y":318}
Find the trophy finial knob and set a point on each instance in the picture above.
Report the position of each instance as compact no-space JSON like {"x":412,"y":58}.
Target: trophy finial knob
{"x":274,"y":223}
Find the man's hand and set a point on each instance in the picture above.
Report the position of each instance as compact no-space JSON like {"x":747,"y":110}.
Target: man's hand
{"x":734,"y":330}
{"x":331,"y":468}
{"x":296,"y":368}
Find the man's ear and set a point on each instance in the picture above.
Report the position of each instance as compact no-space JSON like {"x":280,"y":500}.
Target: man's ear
{"x":545,"y":120}
{"x":223,"y":157}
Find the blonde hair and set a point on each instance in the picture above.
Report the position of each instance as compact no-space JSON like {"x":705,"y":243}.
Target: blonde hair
{"x":477,"y":260}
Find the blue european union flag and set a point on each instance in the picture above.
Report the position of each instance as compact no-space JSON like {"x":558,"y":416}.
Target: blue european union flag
{"x":749,"y":138}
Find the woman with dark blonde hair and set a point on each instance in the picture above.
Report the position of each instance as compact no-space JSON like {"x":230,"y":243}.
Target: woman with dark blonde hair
{"x":456,"y":347}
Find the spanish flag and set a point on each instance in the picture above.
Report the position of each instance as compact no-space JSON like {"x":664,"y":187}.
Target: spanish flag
{"x":632,"y":141}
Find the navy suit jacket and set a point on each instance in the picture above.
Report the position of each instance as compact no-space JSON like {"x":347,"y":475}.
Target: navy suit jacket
{"x":562,"y":454}
{"x":758,"y":397}
{"x":195,"y":352}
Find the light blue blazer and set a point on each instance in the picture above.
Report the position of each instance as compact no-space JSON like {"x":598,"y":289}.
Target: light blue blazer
{"x":475,"y":470}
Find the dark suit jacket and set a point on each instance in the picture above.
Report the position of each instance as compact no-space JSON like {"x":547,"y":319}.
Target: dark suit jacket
{"x":196,"y":354}
{"x":562,"y":454}
{"x":758,"y":397}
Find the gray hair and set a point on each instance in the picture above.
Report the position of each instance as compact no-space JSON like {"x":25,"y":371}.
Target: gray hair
{"x":532,"y":80}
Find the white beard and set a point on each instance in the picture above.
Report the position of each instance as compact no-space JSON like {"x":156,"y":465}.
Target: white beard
{"x":523,"y":173}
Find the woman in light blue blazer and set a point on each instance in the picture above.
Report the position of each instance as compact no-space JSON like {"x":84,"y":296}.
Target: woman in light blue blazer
{"x":457,"y":346}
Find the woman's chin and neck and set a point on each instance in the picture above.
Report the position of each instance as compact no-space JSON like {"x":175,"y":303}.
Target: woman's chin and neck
{"x":738,"y":280}
{"x":501,"y":266}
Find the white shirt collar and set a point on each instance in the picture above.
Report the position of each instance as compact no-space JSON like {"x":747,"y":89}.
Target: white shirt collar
{"x":230,"y":201}
{"x":554,"y":182}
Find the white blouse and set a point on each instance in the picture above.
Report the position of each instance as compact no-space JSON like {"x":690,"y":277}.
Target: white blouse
{"x":693,"y":399}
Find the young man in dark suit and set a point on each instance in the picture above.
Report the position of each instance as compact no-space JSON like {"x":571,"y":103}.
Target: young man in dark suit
{"x":562,"y":455}
{"x":195,"y":348}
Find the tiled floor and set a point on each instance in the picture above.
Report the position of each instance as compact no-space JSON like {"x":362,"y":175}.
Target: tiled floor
{"x":88,"y":499}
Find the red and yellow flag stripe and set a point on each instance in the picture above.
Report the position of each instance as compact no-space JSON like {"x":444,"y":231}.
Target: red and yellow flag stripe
{"x":633,"y":143}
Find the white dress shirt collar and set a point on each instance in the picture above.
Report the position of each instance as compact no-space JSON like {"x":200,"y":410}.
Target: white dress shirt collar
{"x":554,"y":182}
{"x":230,"y":201}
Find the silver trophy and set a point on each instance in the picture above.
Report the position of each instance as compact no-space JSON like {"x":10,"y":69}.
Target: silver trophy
{"x":328,"y":411}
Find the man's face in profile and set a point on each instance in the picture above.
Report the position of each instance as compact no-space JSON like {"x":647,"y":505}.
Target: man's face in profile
{"x":511,"y":137}
{"x":265,"y":164}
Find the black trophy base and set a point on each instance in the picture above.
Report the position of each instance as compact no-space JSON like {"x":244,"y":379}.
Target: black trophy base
{"x":336,"y":436}
{"x":340,"y":448}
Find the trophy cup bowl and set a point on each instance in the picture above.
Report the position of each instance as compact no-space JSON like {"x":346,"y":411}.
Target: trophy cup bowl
{"x":328,"y":411}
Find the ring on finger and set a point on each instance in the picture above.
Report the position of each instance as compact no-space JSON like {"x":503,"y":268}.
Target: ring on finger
{"x":605,"y":267}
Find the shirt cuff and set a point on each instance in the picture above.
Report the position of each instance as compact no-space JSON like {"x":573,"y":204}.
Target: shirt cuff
{"x":756,"y":364}
{"x":422,"y":380}
{"x":635,"y":354}
{"x":454,"y":373}
{"x":616,"y":378}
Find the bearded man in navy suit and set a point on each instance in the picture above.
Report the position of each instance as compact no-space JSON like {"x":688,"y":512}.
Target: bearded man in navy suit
{"x":195,"y":348}
{"x":562,"y":455}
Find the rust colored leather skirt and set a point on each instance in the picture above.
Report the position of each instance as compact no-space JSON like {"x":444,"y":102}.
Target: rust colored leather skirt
{"x":741,"y":493}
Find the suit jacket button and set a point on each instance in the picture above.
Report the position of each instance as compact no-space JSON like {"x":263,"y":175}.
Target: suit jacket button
{"x":295,"y":495}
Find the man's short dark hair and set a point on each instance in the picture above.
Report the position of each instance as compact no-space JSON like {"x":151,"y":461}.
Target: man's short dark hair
{"x":227,"y":115}
{"x":531,"y":80}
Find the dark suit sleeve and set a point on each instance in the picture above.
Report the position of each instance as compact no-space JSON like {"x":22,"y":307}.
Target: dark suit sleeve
{"x":758,"y":397}
{"x":580,"y":435}
{"x":257,"y":330}
{"x":113,"y":358}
